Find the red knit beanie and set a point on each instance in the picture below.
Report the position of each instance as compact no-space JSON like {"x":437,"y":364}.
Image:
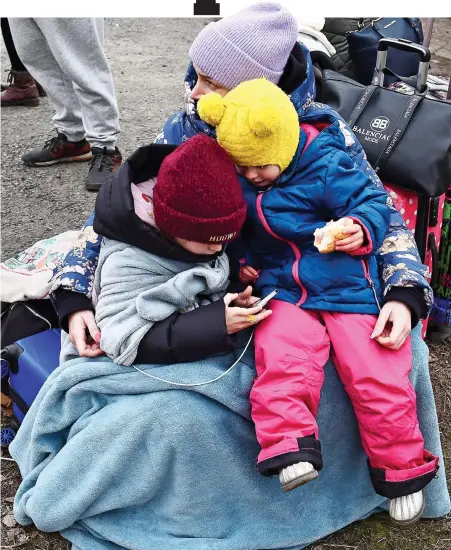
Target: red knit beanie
{"x":197,"y":196}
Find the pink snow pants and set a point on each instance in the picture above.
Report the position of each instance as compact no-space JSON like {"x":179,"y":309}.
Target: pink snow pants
{"x":292,"y":347}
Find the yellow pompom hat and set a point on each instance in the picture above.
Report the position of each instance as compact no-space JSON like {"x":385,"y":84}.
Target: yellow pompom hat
{"x":256,"y":123}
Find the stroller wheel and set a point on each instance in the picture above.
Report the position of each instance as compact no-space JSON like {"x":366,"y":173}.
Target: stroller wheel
{"x":6,"y":436}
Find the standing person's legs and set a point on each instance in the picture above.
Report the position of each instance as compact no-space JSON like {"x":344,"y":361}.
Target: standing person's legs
{"x":291,"y":349}
{"x":377,"y":382}
{"x":16,"y":63}
{"x":77,"y":45}
{"x":37,"y":56}
{"x":21,"y":87}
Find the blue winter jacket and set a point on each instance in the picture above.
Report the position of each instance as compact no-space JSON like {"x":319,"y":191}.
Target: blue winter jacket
{"x":322,"y":183}
{"x":398,"y":259}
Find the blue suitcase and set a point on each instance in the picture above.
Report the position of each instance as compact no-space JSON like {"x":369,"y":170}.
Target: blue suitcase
{"x":28,"y":363}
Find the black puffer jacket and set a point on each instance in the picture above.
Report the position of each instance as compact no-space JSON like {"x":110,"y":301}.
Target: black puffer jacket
{"x":335,"y":30}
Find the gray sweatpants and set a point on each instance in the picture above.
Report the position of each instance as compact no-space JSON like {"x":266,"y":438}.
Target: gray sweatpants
{"x":66,"y":56}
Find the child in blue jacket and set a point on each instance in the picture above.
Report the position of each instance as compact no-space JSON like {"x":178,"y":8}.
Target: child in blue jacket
{"x":296,"y":178}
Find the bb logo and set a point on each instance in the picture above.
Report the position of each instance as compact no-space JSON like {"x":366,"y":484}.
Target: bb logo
{"x":380,"y":123}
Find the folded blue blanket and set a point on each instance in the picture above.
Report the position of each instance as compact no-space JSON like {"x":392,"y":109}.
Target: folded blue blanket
{"x":116,"y":460}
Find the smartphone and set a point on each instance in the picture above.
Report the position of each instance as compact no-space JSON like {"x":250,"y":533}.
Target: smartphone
{"x":263,"y":301}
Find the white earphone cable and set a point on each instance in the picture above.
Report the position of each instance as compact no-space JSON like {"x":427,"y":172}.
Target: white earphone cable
{"x":199,"y":383}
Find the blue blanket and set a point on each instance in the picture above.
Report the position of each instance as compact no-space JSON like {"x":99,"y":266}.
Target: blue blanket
{"x":114,"y":459}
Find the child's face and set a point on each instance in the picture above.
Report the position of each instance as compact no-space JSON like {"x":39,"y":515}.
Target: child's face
{"x":260,"y":176}
{"x":200,"y":249}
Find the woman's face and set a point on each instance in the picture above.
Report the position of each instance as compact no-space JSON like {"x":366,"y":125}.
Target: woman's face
{"x":200,"y":249}
{"x":205,"y":84}
{"x":260,"y":176}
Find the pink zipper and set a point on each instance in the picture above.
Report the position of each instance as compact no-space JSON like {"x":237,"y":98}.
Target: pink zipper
{"x":297,"y":252}
{"x":366,"y":271}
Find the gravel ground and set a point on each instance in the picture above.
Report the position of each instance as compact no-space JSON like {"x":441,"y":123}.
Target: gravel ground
{"x":148,"y":58}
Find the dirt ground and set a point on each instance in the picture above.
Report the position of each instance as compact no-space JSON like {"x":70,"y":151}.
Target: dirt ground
{"x":148,"y":59}
{"x":441,"y":47}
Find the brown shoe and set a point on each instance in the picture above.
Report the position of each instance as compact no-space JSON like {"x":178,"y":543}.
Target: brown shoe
{"x":21,"y":91}
{"x":41,"y":91}
{"x":8,"y":84}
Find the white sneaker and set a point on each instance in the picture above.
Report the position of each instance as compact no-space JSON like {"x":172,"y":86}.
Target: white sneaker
{"x":407,"y":510}
{"x":297,"y":474}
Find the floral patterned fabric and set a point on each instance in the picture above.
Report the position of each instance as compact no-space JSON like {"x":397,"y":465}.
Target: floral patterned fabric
{"x":78,"y":269}
{"x":398,"y":259}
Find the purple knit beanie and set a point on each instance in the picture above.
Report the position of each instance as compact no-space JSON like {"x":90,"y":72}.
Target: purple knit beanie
{"x":255,"y":42}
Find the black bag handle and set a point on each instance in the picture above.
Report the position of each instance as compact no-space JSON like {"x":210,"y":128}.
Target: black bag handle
{"x":361,"y":104}
{"x":406,"y":79}
{"x":401,"y":124}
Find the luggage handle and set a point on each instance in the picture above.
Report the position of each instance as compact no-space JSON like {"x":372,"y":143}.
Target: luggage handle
{"x":407,"y":46}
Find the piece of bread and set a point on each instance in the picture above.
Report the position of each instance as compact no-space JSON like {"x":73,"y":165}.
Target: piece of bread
{"x":326,"y":237}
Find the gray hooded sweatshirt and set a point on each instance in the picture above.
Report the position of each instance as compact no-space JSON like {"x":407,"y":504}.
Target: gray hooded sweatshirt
{"x":135,"y":289}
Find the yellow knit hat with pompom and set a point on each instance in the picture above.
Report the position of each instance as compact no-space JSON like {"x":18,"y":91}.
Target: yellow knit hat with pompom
{"x":256,"y":123}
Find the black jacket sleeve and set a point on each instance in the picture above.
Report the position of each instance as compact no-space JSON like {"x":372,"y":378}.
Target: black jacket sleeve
{"x":67,"y":302}
{"x":412,"y":297}
{"x":185,"y":337}
{"x":180,"y":338}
